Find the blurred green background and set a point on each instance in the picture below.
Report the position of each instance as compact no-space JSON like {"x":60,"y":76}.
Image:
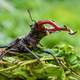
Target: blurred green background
{"x":14,"y":19}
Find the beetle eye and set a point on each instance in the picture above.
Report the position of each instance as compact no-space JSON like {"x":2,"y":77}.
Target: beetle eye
{"x":30,"y":25}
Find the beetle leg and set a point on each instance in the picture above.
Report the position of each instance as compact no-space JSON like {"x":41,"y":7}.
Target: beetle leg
{"x":55,"y":58}
{"x":30,"y":51}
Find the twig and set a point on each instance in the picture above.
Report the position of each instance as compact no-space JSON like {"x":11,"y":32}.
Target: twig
{"x":22,"y":63}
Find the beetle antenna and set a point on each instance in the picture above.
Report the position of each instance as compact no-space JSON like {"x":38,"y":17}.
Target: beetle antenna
{"x":28,"y":10}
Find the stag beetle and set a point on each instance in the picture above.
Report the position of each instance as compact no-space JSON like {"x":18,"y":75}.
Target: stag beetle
{"x":30,"y":41}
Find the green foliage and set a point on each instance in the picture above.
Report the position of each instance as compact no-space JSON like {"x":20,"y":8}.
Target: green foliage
{"x":20,"y":66}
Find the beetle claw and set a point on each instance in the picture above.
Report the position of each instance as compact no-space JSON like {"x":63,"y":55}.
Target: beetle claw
{"x":71,"y":32}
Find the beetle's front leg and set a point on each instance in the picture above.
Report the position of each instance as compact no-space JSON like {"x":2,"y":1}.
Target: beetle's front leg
{"x":27,"y":49}
{"x":50,"y":52}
